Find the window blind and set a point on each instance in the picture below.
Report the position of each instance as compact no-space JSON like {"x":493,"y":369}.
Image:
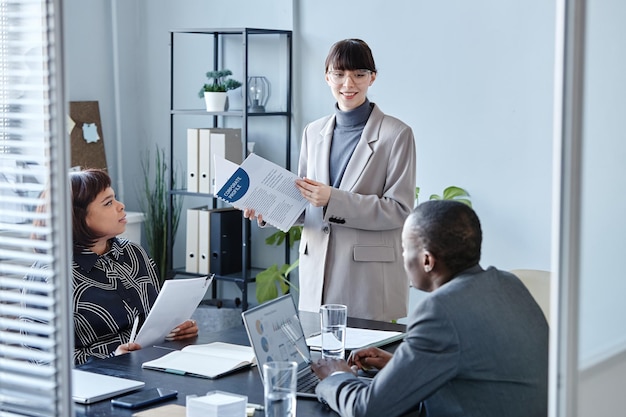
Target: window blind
{"x":35,"y":334}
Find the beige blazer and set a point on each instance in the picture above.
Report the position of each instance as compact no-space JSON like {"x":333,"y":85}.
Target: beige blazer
{"x":351,"y":251}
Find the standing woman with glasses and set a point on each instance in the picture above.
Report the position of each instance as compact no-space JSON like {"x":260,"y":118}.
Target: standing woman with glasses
{"x":357,"y":170}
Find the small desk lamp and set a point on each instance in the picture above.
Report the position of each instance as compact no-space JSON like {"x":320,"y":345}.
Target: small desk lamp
{"x":258,"y":93}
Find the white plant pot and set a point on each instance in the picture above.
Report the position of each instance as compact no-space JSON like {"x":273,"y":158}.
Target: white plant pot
{"x":215,"y":101}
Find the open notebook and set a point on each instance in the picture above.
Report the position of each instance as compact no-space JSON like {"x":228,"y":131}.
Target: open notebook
{"x":210,"y":360}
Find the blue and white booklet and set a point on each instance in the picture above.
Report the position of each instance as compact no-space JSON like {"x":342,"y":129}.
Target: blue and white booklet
{"x":261,"y":185}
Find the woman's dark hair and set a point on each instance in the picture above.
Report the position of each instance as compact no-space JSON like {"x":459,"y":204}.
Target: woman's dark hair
{"x":350,"y":54}
{"x":85,"y":187}
{"x":450,"y":231}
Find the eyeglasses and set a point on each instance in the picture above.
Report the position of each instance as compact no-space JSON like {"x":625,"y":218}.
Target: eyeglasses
{"x":358,"y":76}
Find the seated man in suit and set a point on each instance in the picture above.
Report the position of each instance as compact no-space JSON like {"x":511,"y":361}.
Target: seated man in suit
{"x":477,"y":345}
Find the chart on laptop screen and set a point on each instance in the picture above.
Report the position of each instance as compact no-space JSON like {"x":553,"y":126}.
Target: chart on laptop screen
{"x":265,"y":325}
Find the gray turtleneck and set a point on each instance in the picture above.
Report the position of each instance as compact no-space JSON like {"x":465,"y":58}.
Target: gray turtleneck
{"x":349,"y":126}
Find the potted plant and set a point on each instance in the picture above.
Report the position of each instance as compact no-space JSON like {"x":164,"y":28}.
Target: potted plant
{"x":271,"y":279}
{"x":154,"y":204}
{"x":214,"y":93}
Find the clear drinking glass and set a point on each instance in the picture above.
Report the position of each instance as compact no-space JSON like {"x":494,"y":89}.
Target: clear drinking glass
{"x":280,"y":381}
{"x":334,"y":318}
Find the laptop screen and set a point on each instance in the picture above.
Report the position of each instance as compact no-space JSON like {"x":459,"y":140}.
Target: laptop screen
{"x":270,"y":340}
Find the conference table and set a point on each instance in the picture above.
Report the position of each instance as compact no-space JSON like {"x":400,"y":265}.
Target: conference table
{"x":244,"y":382}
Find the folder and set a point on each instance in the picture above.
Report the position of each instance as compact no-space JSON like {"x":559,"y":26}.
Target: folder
{"x":191,"y":257}
{"x":225,"y":143}
{"x":204,"y":239}
{"x":204,"y":161}
{"x":225,"y":241}
{"x":215,"y":235}
{"x":192,"y":160}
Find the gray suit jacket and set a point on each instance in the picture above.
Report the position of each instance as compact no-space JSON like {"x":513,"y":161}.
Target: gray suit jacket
{"x":476,"y":347}
{"x":351,"y":251}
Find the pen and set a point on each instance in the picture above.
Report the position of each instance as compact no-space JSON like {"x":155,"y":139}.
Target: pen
{"x":258,"y":407}
{"x":133,"y":332}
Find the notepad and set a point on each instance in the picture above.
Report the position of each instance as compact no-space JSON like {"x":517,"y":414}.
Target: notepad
{"x":359,"y":338}
{"x":210,"y":360}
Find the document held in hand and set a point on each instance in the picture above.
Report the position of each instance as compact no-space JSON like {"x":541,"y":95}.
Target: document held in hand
{"x":210,"y":360}
{"x":175,"y":303}
{"x":264,"y":186}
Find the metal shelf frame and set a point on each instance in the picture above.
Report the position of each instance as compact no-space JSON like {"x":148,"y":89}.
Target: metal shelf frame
{"x":246,"y":276}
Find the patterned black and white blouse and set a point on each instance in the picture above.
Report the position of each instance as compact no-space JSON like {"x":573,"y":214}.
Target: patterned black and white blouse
{"x":109,"y":290}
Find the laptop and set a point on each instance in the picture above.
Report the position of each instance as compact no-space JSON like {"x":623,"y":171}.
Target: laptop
{"x":276,"y":334}
{"x":89,"y":387}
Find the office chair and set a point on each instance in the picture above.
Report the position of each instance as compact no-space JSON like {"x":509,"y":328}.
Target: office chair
{"x":538,"y":283}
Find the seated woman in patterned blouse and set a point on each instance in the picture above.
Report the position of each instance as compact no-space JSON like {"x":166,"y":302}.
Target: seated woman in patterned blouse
{"x":114,"y":280}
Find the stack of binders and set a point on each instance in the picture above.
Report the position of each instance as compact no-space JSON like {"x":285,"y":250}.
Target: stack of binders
{"x":202,"y":145}
{"x":213,"y":240}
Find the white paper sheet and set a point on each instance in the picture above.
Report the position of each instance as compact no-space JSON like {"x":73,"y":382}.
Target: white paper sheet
{"x":358,"y":338}
{"x":267,"y":188}
{"x":175,"y":303}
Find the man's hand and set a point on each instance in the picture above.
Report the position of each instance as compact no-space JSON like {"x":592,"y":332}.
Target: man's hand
{"x":368,"y":358}
{"x":325,"y":367}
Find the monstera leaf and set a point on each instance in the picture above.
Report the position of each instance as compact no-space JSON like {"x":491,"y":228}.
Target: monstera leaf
{"x":450,"y":193}
{"x":454,"y":193}
{"x":269,"y":280}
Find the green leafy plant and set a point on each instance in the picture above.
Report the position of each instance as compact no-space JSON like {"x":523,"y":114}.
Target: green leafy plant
{"x":220,"y":82}
{"x":271,"y":279}
{"x":154,"y":205}
{"x":449,"y":193}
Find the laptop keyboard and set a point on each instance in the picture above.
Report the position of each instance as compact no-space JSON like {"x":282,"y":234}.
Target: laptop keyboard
{"x":307,"y":383}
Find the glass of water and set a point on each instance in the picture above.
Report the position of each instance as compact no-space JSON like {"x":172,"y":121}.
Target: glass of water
{"x":334,"y":318}
{"x":280,"y":381}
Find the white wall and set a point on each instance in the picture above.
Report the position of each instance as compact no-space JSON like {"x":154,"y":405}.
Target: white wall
{"x":602,"y":334}
{"x":474,"y":80}
{"x":604,"y":178}
{"x":89,"y":68}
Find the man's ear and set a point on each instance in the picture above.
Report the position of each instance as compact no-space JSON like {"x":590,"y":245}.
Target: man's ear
{"x":428,"y":261}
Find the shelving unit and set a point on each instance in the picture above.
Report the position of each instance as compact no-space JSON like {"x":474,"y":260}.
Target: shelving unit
{"x":222,"y":40}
